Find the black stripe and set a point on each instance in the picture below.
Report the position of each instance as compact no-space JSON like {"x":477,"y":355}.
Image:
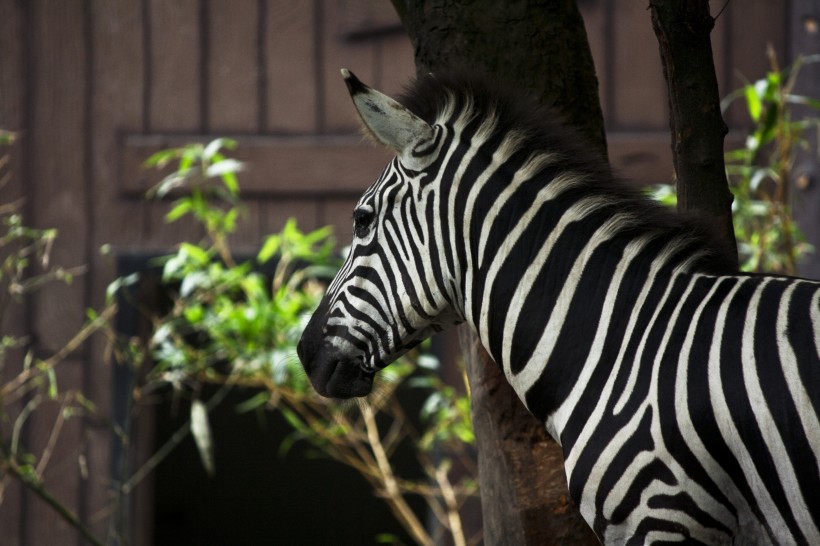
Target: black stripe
{"x":623,"y":307}
{"x":673,"y":436}
{"x":700,"y":404}
{"x":577,"y":332}
{"x":737,"y":400}
{"x":617,"y":463}
{"x":682,"y":502}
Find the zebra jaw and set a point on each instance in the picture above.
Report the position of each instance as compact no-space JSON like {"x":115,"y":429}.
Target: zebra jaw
{"x":387,"y":121}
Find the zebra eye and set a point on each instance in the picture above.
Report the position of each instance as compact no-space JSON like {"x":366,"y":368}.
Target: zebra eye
{"x":362,"y":219}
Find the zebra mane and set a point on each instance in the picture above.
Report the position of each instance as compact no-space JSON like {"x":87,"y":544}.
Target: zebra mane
{"x":474,"y":99}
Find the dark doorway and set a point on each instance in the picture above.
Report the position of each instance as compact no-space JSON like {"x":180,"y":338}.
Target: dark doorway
{"x":258,"y":494}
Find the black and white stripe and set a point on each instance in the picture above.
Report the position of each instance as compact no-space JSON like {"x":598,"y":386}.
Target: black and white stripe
{"x":685,"y":395}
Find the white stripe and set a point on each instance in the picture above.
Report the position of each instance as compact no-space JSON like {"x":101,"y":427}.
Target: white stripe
{"x":553,"y":189}
{"x":814,"y":313}
{"x":575,"y":212}
{"x":687,"y":428}
{"x":537,"y":363}
{"x":636,"y":360}
{"x":766,"y":423}
{"x":533,"y":166}
{"x":558,"y":420}
{"x":727,"y":427}
{"x":500,"y":156}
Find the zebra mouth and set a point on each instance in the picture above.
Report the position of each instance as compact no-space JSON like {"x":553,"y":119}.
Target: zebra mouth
{"x":343,"y":379}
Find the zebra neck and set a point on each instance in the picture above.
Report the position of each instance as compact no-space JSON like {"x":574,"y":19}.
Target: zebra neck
{"x":543,"y":304}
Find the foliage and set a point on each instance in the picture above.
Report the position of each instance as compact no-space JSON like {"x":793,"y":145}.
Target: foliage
{"x":230,"y":323}
{"x":30,"y":383}
{"x":236,"y":323}
{"x":760,"y":172}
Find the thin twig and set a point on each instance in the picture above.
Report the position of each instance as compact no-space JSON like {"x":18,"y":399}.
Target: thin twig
{"x":72,"y":345}
{"x":37,"y":488}
{"x":393,"y":495}
{"x":450,"y":501}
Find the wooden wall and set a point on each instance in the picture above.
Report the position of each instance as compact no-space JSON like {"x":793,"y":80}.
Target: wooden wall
{"x":94,"y":86}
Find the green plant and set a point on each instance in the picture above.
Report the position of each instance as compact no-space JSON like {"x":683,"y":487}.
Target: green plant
{"x":236,"y":323}
{"x":760,"y":172}
{"x":31,"y":381}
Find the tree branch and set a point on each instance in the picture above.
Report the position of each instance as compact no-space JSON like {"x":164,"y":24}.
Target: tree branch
{"x":683,"y":29}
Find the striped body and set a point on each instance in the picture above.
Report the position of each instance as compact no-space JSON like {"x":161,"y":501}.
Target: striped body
{"x":685,"y":397}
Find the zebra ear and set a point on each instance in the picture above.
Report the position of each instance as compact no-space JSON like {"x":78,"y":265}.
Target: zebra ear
{"x":386,"y":120}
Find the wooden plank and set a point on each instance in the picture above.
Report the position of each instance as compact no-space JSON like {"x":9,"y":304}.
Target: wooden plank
{"x":368,"y":19}
{"x":721,"y":33}
{"x":395,"y":66}
{"x":755,"y":24}
{"x":57,"y":178}
{"x":119,"y":67}
{"x":248,"y":237}
{"x":12,"y":106}
{"x":640,"y":98}
{"x":340,"y":52}
{"x":57,"y":445}
{"x":160,"y":237}
{"x":804,"y":39}
{"x":175,"y":66}
{"x":338,"y":213}
{"x":297,"y":166}
{"x":233,"y":72}
{"x":290,"y":49}
{"x":58,"y":135}
{"x":275,"y":212}
{"x":641,"y":158}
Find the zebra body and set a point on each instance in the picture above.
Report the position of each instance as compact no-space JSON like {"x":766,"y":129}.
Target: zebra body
{"x":685,"y":396}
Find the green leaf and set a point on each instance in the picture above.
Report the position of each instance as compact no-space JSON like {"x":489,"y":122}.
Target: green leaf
{"x":753,"y":102}
{"x":182,"y":208}
{"x":52,"y":383}
{"x":191,"y":154}
{"x":223,"y":167}
{"x":161,"y":158}
{"x":194,"y":313}
{"x":118,"y":284}
{"x":428,"y":362}
{"x":269,"y":248}
{"x":201,"y":430}
{"x":253,"y":402}
{"x":217,"y":144}
{"x":198,"y":254}
{"x":6,"y":137}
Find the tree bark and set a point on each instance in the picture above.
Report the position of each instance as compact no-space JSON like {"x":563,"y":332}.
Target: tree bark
{"x":537,"y":45}
{"x":542,"y":47}
{"x":683,"y":29}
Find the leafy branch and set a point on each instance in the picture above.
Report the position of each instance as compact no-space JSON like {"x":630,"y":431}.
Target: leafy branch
{"x":236,"y":324}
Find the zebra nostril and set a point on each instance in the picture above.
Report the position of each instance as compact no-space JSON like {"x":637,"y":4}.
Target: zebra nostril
{"x":363,"y":366}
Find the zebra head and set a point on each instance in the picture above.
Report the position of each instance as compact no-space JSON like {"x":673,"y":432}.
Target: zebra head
{"x":385,"y":299}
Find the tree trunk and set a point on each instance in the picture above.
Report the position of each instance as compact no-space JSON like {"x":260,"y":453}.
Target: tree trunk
{"x":535,"y":45}
{"x":539,"y":46}
{"x":683,"y":28}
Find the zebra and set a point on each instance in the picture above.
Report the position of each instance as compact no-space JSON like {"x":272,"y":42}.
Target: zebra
{"x":683,"y":393}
